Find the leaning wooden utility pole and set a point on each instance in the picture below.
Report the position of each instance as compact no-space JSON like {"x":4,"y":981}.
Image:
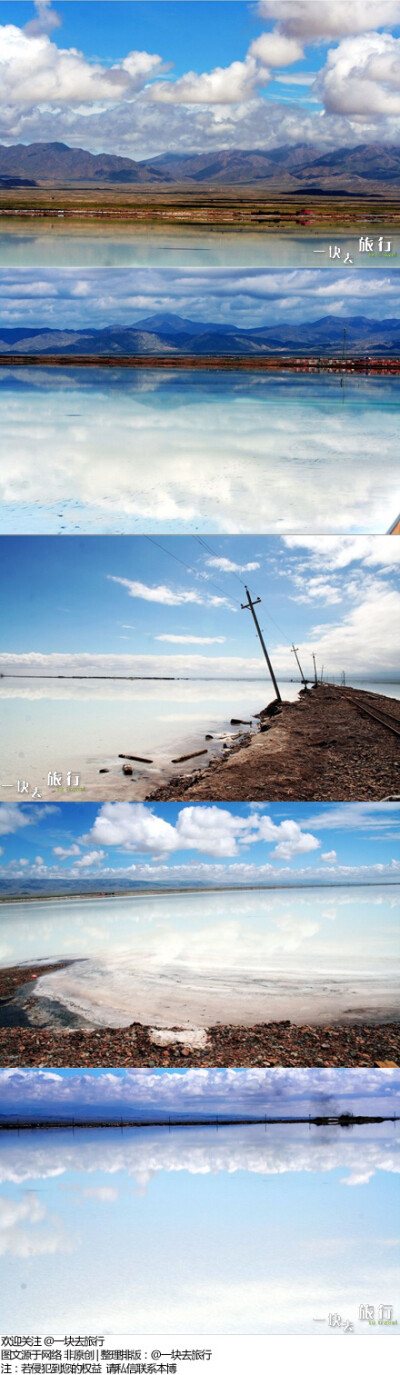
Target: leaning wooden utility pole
{"x":315,"y":671}
{"x":294,"y":651}
{"x":249,"y":605}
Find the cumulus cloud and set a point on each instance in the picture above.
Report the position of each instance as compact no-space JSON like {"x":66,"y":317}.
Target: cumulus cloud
{"x":310,"y":20}
{"x":34,"y":71}
{"x":223,"y":86}
{"x":291,"y":839}
{"x":204,"y":1089}
{"x":211,"y":829}
{"x":87,"y":861}
{"x":362,"y":77}
{"x":330,"y":856}
{"x":135,"y":827}
{"x":275,"y":49}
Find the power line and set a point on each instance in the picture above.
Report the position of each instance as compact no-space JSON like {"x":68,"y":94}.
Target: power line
{"x":196,"y":572}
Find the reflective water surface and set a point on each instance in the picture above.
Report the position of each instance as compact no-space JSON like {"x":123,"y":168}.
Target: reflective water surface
{"x":239,"y":1229}
{"x":81,"y":726}
{"x":310,"y":955}
{"x":63,"y":243}
{"x":110,"y":450}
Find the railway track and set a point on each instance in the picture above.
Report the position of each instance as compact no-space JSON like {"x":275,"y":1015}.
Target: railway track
{"x":384,"y":718}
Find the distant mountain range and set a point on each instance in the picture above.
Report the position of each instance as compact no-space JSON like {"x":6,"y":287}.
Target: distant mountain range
{"x":366,"y":169}
{"x":170,"y":334}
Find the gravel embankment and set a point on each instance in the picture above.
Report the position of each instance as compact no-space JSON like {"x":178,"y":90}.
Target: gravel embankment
{"x":319,"y":748}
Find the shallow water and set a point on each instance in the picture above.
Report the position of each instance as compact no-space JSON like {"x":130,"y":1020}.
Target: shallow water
{"x":240,"y":1230}
{"x":310,"y":955}
{"x":108,"y":451}
{"x":80,"y":726}
{"x":58,"y":243}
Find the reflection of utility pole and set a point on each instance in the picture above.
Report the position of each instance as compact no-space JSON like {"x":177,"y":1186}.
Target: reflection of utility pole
{"x":315,"y":671}
{"x":294,"y":651}
{"x":249,"y":605}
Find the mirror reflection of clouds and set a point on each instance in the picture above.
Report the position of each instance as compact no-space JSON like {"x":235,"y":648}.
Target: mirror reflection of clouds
{"x":239,"y":1229}
{"x":208,"y":447}
{"x":210,"y":957}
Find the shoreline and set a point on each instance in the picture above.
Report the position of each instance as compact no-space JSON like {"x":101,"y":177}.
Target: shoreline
{"x":371,"y":364}
{"x":327,"y":745}
{"x":172,"y":891}
{"x":274,"y":1042}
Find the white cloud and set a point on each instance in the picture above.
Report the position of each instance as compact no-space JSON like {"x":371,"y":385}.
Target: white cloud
{"x":363,"y":643}
{"x":28,"y":1240}
{"x":210,"y":829}
{"x":205,"y":1089}
{"x":291,"y":839}
{"x":46,"y":21}
{"x":64,"y":854}
{"x":330,"y":856}
{"x":12,"y":819}
{"x":165,"y":595}
{"x":103,"y":1193}
{"x":227,"y":566}
{"x":312,"y":20}
{"x":87,"y":861}
{"x":135,"y":827}
{"x":333,"y":552}
{"x":34,"y":71}
{"x":362,"y":77}
{"x":223,"y":86}
{"x":275,"y":50}
{"x":192,"y":639}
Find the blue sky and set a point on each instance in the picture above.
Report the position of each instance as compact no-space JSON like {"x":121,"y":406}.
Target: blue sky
{"x":132,"y":605}
{"x":72,"y":298}
{"x":160,"y":843}
{"x":143,"y":78}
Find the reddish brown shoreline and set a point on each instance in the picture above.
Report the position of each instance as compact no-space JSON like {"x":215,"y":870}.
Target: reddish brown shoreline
{"x":271,"y":1043}
{"x":272,"y":206}
{"x":373,"y":364}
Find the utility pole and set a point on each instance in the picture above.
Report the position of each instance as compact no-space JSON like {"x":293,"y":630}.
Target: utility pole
{"x":249,"y":605}
{"x":294,"y":651}
{"x":315,"y":671}
{"x":344,"y":344}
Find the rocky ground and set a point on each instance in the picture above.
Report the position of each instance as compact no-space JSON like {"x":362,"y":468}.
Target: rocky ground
{"x":319,"y":748}
{"x":270,"y":1043}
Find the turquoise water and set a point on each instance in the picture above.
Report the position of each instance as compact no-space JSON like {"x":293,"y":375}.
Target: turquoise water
{"x":239,"y":1230}
{"x":108,"y":452}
